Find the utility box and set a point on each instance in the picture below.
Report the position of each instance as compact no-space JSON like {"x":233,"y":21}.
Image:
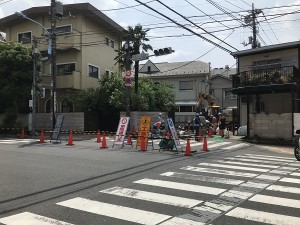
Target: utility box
{"x":59,"y":9}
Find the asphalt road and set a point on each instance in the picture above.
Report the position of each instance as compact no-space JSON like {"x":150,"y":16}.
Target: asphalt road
{"x":231,"y":183}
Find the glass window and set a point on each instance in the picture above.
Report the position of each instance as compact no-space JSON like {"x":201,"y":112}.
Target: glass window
{"x":185,"y":85}
{"x":24,"y":38}
{"x":66,"y":107}
{"x":62,"y":30}
{"x":65,"y":69}
{"x":93,"y":71}
{"x":107,"y":72}
{"x":112,"y":43}
{"x":107,"y":41}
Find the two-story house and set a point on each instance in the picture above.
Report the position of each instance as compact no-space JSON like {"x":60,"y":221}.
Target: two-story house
{"x":267,"y":85}
{"x":85,"y":47}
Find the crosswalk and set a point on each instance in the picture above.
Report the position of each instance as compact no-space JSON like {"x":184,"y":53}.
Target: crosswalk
{"x":243,"y":187}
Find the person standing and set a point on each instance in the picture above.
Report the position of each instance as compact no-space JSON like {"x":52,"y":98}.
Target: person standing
{"x":197,"y":126}
{"x":202,"y":124}
{"x":214,"y":122}
{"x":222,"y":125}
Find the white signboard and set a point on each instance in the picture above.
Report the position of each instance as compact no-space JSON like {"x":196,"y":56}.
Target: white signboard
{"x":121,"y":132}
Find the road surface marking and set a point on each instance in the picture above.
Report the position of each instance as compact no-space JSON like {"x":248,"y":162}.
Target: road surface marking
{"x":269,"y":156}
{"x":217,"y":144}
{"x":245,"y":164}
{"x":217,"y":171}
{"x":268,"y":177}
{"x":255,"y":185}
{"x":213,"y":207}
{"x":237,"y":194}
{"x":27,"y":218}
{"x":263,"y":217}
{"x":284,"y":189}
{"x":152,"y":197}
{"x":254,"y":160}
{"x":290,"y":180}
{"x":233,"y":167}
{"x":202,"y":178}
{"x":198,"y":143}
{"x":276,"y":201}
{"x":295,"y":174}
{"x":180,"y":221}
{"x":115,"y":211}
{"x":236,"y":146}
{"x":181,"y":186}
{"x":265,"y":158}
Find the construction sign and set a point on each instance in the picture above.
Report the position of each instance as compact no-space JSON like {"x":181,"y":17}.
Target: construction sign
{"x":121,"y":132}
{"x":173,"y":133}
{"x":144,"y":130}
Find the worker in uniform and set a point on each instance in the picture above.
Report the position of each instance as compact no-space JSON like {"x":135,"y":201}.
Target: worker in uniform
{"x":197,"y":126}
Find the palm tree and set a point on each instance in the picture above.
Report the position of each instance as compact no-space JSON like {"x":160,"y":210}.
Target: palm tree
{"x":137,"y":38}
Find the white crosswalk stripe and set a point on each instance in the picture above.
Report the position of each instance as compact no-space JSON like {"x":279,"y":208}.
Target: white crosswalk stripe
{"x":280,"y":175}
{"x":17,"y":141}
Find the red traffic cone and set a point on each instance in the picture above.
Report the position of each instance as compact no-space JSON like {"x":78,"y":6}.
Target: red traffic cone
{"x":23,"y":133}
{"x":42,"y":137}
{"x":220,"y":132}
{"x":129,"y":142}
{"x":103,"y":145}
{"x":143,"y":144}
{"x":188,"y":151}
{"x":98,"y":137}
{"x":70,"y":140}
{"x":204,"y":147}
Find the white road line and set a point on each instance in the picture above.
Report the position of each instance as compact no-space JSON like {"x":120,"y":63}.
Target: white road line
{"x":217,"y":171}
{"x":27,"y":218}
{"x":115,"y":211}
{"x":263,"y":217}
{"x":254,"y":160}
{"x":152,"y":197}
{"x":193,"y":144}
{"x":269,"y":156}
{"x":290,"y":180}
{"x":237,"y":194}
{"x":295,"y":174}
{"x":236,"y":146}
{"x":246,"y":164}
{"x":203,"y":178}
{"x":276,"y":201}
{"x":217,"y":144}
{"x":284,"y":189}
{"x":213,"y":207}
{"x":268,"y":177}
{"x":181,"y":186}
{"x":180,"y":221}
{"x":254,"y":185}
{"x":233,"y":167}
{"x":265,"y":158}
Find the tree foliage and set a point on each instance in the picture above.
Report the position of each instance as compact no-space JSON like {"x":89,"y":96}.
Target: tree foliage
{"x":16,"y":67}
{"x":110,"y":96}
{"x":137,"y":37}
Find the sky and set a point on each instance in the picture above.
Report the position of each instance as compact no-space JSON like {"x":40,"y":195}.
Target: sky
{"x":215,"y":27}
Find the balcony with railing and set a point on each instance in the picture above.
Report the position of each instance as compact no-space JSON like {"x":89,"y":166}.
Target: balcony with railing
{"x":266,"y":77}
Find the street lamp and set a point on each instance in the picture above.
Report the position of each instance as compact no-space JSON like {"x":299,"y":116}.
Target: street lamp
{"x":51,"y":41}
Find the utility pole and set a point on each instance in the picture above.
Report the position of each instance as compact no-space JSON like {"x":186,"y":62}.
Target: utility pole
{"x":254,"y":43}
{"x":53,"y":60}
{"x":33,"y":94}
{"x":127,"y":78}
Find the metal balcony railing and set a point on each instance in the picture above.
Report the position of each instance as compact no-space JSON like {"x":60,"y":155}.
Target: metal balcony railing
{"x":280,"y":75}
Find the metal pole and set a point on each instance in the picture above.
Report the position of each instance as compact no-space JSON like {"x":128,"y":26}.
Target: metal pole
{"x":34,"y":52}
{"x":128,"y":86}
{"x":53,"y":61}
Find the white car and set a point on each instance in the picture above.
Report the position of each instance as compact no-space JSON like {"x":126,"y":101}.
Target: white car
{"x":242,"y":131}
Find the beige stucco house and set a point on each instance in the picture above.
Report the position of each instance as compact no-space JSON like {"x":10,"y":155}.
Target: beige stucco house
{"x":267,"y":85}
{"x":86,"y":44}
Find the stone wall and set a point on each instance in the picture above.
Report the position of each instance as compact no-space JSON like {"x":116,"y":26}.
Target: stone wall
{"x":271,"y":126}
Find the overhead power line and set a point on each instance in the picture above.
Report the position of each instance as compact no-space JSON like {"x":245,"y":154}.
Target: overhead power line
{"x":193,"y":32}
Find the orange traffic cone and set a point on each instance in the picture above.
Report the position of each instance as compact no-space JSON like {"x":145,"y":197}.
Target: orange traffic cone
{"x":42,"y":137}
{"x":220,"y":132}
{"x":70,"y":140}
{"x":23,"y":133}
{"x":98,"y":137}
{"x":204,"y":147}
{"x":188,"y":151}
{"x":103,"y":142}
{"x":143,"y":144}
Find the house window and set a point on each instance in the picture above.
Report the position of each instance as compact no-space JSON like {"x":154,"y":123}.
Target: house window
{"x":107,"y":72}
{"x":186,"y":108}
{"x":107,"y":40}
{"x":67,"y":29}
{"x":48,"y":106}
{"x":228,"y":95}
{"x":24,"y":38}
{"x":66,"y":107}
{"x":185,"y":85}
{"x":65,"y":69}
{"x":112,"y":44}
{"x":93,"y":71}
{"x":265,"y":64}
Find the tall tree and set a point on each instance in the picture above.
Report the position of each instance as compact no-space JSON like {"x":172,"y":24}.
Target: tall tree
{"x":15,"y":77}
{"x":137,"y":38}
